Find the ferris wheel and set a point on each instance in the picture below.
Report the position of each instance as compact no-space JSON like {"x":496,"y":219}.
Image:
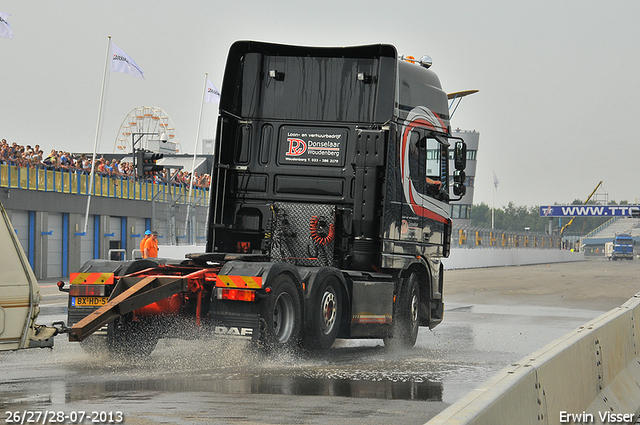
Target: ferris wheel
{"x":145,"y":126}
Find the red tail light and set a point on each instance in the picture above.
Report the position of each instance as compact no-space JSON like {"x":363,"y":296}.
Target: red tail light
{"x":236,"y":294}
{"x":88,"y":290}
{"x":243,"y":247}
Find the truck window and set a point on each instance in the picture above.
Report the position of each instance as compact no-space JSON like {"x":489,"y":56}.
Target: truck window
{"x":417,"y":162}
{"x":433,"y":158}
{"x":425,"y":161}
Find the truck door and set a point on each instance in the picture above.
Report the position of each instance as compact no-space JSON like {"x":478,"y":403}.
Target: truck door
{"x":436,"y":190}
{"x":425,"y":187}
{"x":418,"y":184}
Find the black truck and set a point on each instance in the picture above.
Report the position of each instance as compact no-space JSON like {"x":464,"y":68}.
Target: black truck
{"x":329,"y":209}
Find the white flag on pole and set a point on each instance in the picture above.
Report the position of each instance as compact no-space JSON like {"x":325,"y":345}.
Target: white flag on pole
{"x":495,"y":181}
{"x":5,"y":28}
{"x":212,"y":95}
{"x":121,"y":62}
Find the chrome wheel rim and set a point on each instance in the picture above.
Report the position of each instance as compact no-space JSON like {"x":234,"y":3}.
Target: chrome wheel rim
{"x":414,"y":308}
{"x":328,"y":311}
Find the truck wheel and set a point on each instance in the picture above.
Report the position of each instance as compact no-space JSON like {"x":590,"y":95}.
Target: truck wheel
{"x":131,"y":339}
{"x":406,"y":321}
{"x":282,"y":315}
{"x":325,"y":315}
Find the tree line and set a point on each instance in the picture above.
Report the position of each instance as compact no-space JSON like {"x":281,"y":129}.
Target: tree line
{"x":519,"y":218}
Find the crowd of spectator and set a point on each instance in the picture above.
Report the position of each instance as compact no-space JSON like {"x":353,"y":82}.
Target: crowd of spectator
{"x":34,"y":157}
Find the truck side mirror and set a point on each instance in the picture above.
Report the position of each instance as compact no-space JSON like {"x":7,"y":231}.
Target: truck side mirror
{"x":459,"y":176}
{"x":459,"y":189}
{"x":460,"y":155}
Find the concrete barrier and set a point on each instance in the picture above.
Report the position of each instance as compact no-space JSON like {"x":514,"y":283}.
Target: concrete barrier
{"x":461,"y":258}
{"x":592,"y":372}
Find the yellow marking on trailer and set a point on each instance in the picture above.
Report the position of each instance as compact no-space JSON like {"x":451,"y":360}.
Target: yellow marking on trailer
{"x":231,"y":281}
{"x":91,"y":279}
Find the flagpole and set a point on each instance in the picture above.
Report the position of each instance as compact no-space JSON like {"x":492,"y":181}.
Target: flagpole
{"x":492,"y":203}
{"x":95,"y":142}
{"x":195,"y":151}
{"x":495,"y":187}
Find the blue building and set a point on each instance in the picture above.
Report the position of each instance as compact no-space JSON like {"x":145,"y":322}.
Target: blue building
{"x":48,"y":208}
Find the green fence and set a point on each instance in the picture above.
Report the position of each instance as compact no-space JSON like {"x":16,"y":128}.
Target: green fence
{"x":69,"y":181}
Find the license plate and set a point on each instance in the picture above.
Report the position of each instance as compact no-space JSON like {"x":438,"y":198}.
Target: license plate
{"x":88,"y":301}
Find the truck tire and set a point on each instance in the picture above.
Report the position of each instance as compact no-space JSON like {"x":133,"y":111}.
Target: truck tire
{"x":406,"y":320}
{"x":325,"y":316}
{"x":281,"y":315}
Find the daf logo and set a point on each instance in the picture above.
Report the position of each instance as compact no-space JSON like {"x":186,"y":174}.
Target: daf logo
{"x":223,"y":330}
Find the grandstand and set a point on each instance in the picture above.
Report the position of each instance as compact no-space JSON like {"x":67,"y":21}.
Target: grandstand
{"x":594,"y":241}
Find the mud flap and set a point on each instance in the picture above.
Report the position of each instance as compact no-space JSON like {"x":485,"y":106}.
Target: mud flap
{"x":372,"y":309}
{"x":242,"y":326}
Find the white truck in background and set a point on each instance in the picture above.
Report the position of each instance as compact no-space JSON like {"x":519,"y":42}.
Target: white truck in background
{"x":19,"y":296}
{"x":608,"y":250}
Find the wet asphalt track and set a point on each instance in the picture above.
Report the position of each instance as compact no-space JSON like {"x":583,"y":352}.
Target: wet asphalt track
{"x":493,"y":317}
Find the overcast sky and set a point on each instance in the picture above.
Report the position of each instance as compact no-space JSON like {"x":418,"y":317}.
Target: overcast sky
{"x":559,"y":81}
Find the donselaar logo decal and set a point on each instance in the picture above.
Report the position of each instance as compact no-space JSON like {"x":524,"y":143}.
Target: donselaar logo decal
{"x":296,"y":147}
{"x":312,"y":146}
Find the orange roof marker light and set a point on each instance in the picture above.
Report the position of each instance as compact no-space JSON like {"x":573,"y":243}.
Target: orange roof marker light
{"x":425,"y":61}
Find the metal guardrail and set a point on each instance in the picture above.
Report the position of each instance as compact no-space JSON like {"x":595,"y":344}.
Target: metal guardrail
{"x":77,"y":183}
{"x":479,"y":237}
{"x":112,"y":251}
{"x":72,"y":182}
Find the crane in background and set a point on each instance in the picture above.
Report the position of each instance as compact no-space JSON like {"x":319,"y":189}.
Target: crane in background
{"x":566,"y":226}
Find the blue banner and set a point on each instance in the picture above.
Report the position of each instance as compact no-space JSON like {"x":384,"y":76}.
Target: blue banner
{"x":590,"y":211}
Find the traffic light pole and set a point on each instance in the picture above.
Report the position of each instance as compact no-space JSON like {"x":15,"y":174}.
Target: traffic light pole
{"x":138,"y":163}
{"x":133,"y":146}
